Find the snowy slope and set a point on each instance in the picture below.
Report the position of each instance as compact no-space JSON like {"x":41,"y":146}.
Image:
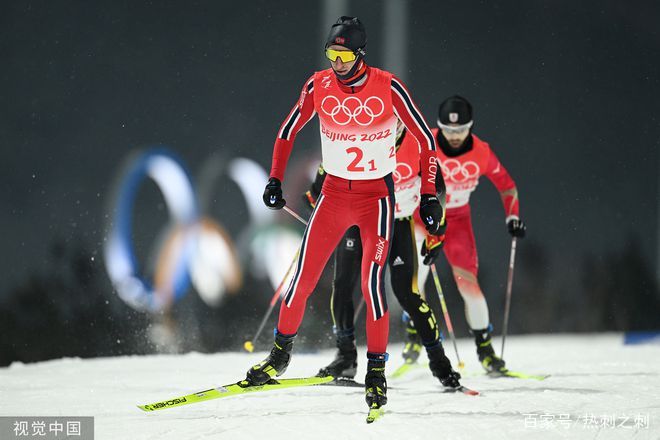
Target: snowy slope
{"x":595,"y":381}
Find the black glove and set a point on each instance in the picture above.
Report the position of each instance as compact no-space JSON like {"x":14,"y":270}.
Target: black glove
{"x":431,"y":248}
{"x":273,"y":194}
{"x":432,"y":215}
{"x":516,"y":227}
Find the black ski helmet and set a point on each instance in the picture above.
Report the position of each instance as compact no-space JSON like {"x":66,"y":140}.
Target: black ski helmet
{"x":455,"y":110}
{"x":348,"y":32}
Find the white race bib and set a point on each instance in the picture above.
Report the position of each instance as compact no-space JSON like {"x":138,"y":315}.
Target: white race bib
{"x":355,"y":148}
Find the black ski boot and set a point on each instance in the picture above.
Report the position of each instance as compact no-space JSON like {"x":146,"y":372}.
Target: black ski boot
{"x":441,"y":368}
{"x":413,"y":346}
{"x":375,"y":384}
{"x":345,"y":363}
{"x":276,"y":362}
{"x":489,"y":360}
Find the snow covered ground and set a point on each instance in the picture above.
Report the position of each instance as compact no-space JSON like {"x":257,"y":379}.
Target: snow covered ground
{"x":599,"y":389}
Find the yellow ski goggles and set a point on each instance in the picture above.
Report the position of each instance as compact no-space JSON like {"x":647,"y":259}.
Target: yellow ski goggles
{"x":345,"y":56}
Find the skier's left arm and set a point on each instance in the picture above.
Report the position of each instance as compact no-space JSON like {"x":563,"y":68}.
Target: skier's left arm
{"x":433,"y":243}
{"x":497,"y":174}
{"x":431,"y":210}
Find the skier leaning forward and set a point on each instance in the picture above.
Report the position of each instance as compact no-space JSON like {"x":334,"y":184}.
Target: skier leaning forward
{"x":464,"y":158}
{"x":358,"y":108}
{"x":403,"y":266}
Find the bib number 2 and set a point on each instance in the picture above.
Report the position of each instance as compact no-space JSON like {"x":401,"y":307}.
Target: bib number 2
{"x":355,"y":165}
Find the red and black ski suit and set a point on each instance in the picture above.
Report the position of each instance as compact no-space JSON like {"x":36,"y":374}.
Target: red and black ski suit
{"x":358,"y":129}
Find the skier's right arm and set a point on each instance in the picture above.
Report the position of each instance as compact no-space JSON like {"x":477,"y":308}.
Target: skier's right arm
{"x":299,"y":115}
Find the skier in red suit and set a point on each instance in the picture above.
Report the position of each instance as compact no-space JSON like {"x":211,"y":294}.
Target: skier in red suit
{"x":358,"y":107}
{"x":464,"y":158}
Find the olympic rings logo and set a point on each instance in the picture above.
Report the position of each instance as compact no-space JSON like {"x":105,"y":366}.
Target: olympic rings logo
{"x":459,"y":172}
{"x":402,"y":172}
{"x":352,"y":109}
{"x":195,"y":249}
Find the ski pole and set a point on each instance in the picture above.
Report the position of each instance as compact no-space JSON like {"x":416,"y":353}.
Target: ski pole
{"x":249,"y":345}
{"x":296,"y":216}
{"x":445,"y":312}
{"x":509,"y":285}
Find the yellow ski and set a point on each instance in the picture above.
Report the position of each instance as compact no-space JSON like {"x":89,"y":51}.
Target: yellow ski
{"x":241,"y":387}
{"x":375,"y":412}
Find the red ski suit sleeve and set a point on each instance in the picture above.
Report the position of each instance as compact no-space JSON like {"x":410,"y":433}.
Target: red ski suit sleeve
{"x":299,"y":115}
{"x":497,"y":174}
{"x":412,"y":118}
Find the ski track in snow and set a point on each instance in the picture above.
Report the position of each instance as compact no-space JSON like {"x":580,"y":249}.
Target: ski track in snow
{"x":592,"y":375}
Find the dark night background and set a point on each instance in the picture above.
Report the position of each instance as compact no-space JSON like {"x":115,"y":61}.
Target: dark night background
{"x":565,"y":92}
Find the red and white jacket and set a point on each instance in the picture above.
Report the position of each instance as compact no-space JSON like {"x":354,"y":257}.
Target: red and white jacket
{"x":358,"y":127}
{"x":462,"y":173}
